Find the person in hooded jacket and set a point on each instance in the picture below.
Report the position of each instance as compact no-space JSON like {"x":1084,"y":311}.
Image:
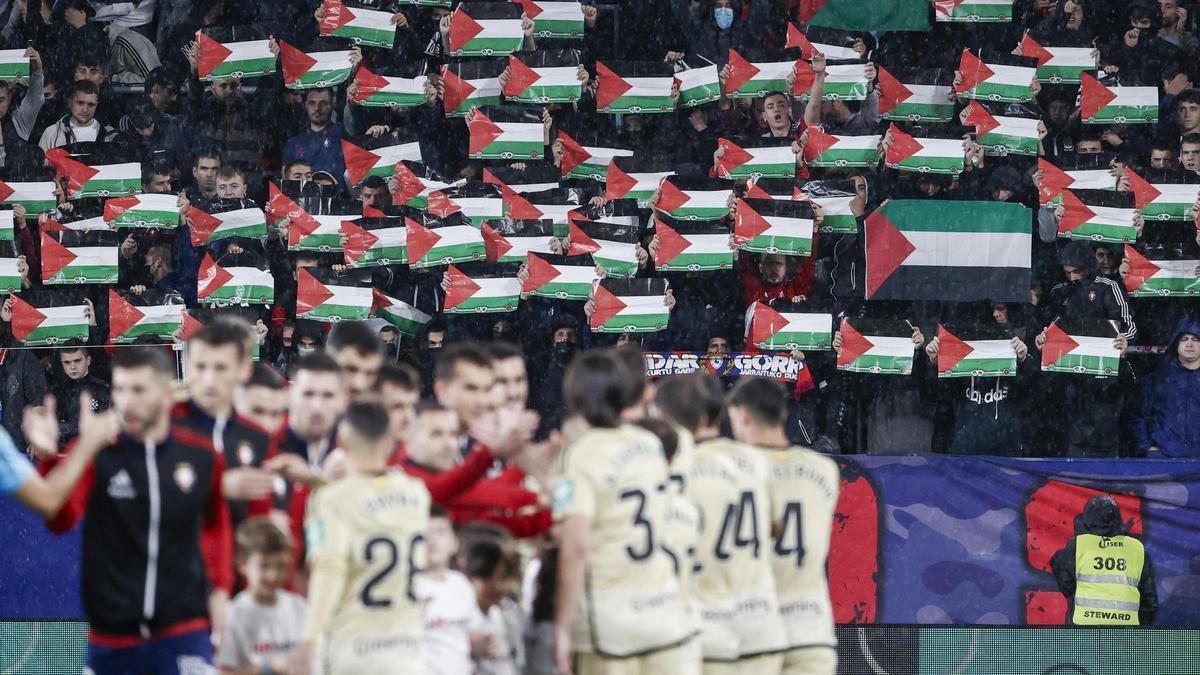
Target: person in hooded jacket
{"x":719,"y":27}
{"x":1168,"y":423}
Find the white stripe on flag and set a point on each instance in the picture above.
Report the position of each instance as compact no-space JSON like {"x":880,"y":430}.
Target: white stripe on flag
{"x":968,"y":249}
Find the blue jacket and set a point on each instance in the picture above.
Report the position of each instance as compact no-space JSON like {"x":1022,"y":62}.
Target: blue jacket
{"x":1169,"y":418}
{"x":322,"y":150}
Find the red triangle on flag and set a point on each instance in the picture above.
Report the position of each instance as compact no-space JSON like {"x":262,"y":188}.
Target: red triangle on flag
{"x":518,"y":207}
{"x":189,"y":326}
{"x":359,"y":161}
{"x":1140,"y":269}
{"x":1030,"y":47}
{"x":463,"y":29}
{"x":368,"y":83}
{"x":1054,"y":180}
{"x":892,"y":92}
{"x":854,"y":344}
{"x":973,"y":72}
{"x":279,"y":205}
{"x":25,"y":318}
{"x":379,"y":300}
{"x":817,"y":142}
{"x":573,"y":153}
{"x":113,"y":208}
{"x":441,"y":205}
{"x":606,"y":306}
{"x":733,"y":157}
{"x":295,"y":62}
{"x":807,"y":9}
{"x":202,"y":225}
{"x":6,"y":191}
{"x":483,"y":132}
{"x":979,"y":117}
{"x":212,"y":277}
{"x":741,"y":71}
{"x":121,"y":315}
{"x":946,"y":6}
{"x":753,"y":191}
{"x":1143,"y":192}
{"x":1093,"y":96}
{"x":887,"y":249}
{"x":310,"y":293}
{"x":212,"y":54}
{"x":747,"y":223}
{"x":540,"y":274}
{"x":520,"y":77}
{"x":617,"y":183}
{"x":805,"y":78}
{"x":358,"y":240}
{"x":531,"y":8}
{"x":77,"y":173}
{"x":1075,"y":212}
{"x":336,"y":16}
{"x":670,"y":243}
{"x":765,"y":323}
{"x":951,"y":350}
{"x":49,"y":224}
{"x":494,"y":243}
{"x":300,"y":226}
{"x":1058,"y":344}
{"x":421,"y":240}
{"x":455,"y":90}
{"x":55,"y":256}
{"x":462,"y":288}
{"x":670,"y":198}
{"x":796,"y":39}
{"x":372,"y":212}
{"x":610,"y":86}
{"x":902,"y":146}
{"x":406,"y":186}
{"x":580,"y":242}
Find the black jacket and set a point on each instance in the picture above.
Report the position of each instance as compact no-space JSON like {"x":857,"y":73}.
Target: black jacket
{"x":24,"y":384}
{"x":67,"y":393}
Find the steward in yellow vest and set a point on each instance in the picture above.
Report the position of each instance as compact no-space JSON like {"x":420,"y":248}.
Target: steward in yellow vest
{"x":1105,"y":572}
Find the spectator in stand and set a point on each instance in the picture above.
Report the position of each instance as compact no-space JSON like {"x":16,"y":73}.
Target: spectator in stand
{"x":1168,"y":423}
{"x":77,"y":378}
{"x":231,"y":183}
{"x":1163,"y":156}
{"x":20,"y":124}
{"x":80,"y":124}
{"x":320,"y":144}
{"x":375,"y":194}
{"x":1189,"y":153}
{"x":1187,"y":112}
{"x":297,"y":169}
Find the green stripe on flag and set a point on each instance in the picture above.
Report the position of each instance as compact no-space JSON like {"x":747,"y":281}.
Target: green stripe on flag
{"x":496,"y":46}
{"x":367,"y":36}
{"x":836,"y":157}
{"x":767,"y":243}
{"x":1086,"y":364}
{"x":921,"y":112}
{"x":405,"y":318}
{"x":920,"y":215}
{"x":879,"y":364}
{"x":641,"y":104}
{"x":975,"y":12}
{"x":83,"y":274}
{"x":320,"y":79}
{"x":1000,"y":145}
{"x":1125,"y":114}
{"x":245,"y":68}
{"x":110,"y":187}
{"x":454,"y":253}
{"x":512,"y":150}
{"x":159,"y":329}
{"x":54,"y":335}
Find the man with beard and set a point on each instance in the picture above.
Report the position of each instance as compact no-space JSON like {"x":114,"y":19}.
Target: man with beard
{"x":320,"y":143}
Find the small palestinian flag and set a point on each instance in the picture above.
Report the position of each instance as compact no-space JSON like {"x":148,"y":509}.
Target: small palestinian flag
{"x":787,"y":331}
{"x":233,"y":60}
{"x":924,"y":155}
{"x":1160,"y":278}
{"x":513,"y":241}
{"x":366,"y":27}
{"x":67,"y":260}
{"x":560,"y":277}
{"x":993,"y":81}
{"x":1083,"y":177}
{"x":630,"y":306}
{"x":1099,"y":104}
{"x":481,"y":295}
{"x":782,"y":189}
{"x":694,"y":198}
{"x":94,"y":224}
{"x":876,"y":347}
{"x":1098,"y":215}
{"x":552,"y":205}
{"x":634,"y":87}
{"x":404,"y":317}
{"x":127,"y":322}
{"x":471,"y":84}
{"x":923,"y":249}
{"x":217,"y":285}
{"x":1162,"y":201}
{"x":504,"y":140}
{"x":834,"y":198}
{"x":692,"y":245}
{"x":14,"y":65}
{"x":1058,"y":65}
{"x":978,"y":352}
{"x":747,"y":158}
{"x":10,"y":278}
{"x":433,"y":244}
{"x":474,"y":205}
{"x":149,"y":210}
{"x":829,"y":151}
{"x":612,"y":246}
{"x":314,"y":71}
{"x":698,"y":86}
{"x":845,"y":82}
{"x":320,"y":298}
{"x":46,"y":326}
{"x":106,"y":180}
{"x":414,"y":182}
{"x":1002,"y":136}
{"x":809,"y":49}
{"x":554,"y":19}
{"x":7,"y":228}
{"x":923,"y":95}
{"x":317,"y":233}
{"x":776,"y":227}
{"x":380,"y":91}
{"x":533,"y":178}
{"x":1084,"y":348}
{"x":35,"y":197}
{"x":375,"y":242}
{"x":543,"y":77}
{"x":756,"y":80}
{"x":486,"y":29}
{"x":849,"y":14}
{"x":972,"y":11}
{"x":207,"y":228}
{"x":580,"y":161}
{"x":362,"y":163}
{"x":635,"y":178}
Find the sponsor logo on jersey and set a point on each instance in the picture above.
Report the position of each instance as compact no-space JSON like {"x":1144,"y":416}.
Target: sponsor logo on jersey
{"x":120,"y":486}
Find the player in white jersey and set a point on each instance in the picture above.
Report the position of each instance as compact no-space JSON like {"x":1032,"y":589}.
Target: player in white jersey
{"x":803,"y":492}
{"x":364,"y":535}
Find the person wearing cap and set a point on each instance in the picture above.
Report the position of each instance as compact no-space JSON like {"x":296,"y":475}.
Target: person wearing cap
{"x":152,"y":136}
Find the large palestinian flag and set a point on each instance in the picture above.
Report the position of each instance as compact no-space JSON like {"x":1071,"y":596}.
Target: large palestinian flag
{"x":824,"y":150}
{"x":1160,"y":278}
{"x":692,"y":246}
{"x":755,"y":158}
{"x":756,"y":80}
{"x":47,"y":326}
{"x":612,"y":246}
{"x":543,"y":77}
{"x":882,"y":15}
{"x":317,"y":70}
{"x":381,"y":91}
{"x":972,"y":11}
{"x":233,"y":60}
{"x":320,"y":297}
{"x":698,"y":85}
{"x":404,"y":317}
{"x":362,"y":163}
{"x":481,"y":295}
{"x":107,"y":180}
{"x":845,"y":82}
{"x":471,"y":84}
{"x":788,"y":331}
{"x":1162,"y":201}
{"x":450,"y":241}
{"x":554,"y":19}
{"x":1081,"y":348}
{"x":1083,"y":175}
{"x":920,"y":249}
{"x":375,"y":242}
{"x":629,"y":306}
{"x":486,"y":29}
{"x":579,"y":161}
{"x":876,"y":347}
{"x":1058,"y":65}
{"x":150,"y":210}
{"x":975,"y":351}
{"x":1099,"y":104}
{"x":635,"y":178}
{"x":634,"y":87}
{"x":366,"y":27}
{"x":923,"y":155}
{"x":496,"y":139}
{"x":922,"y":95}
{"x":1098,"y":215}
{"x":560,"y":277}
{"x":131,"y":317}
{"x":70,"y":258}
{"x":691,"y":198}
{"x":205,"y":228}
{"x":1001,"y":136}
{"x":35,"y":197}
{"x":834,"y":197}
{"x":994,"y":81}
{"x":773,"y":226}
{"x":218,"y":285}
{"x":514,"y":240}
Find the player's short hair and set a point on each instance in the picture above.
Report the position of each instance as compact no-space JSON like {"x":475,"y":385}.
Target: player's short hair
{"x":766,"y":400}
{"x":464,"y":352}
{"x":207,"y":151}
{"x":367,"y":419}
{"x":399,"y":375}
{"x":156,"y":168}
{"x":681,"y":399}
{"x":485,"y":557}
{"x":667,"y":436}
{"x":260,"y":535}
{"x":356,"y":335}
{"x":83,"y":87}
{"x":153,"y":358}
{"x":316,"y":362}
{"x":1187,"y":96}
{"x":502,"y":351}
{"x":635,"y":362}
{"x":596,"y":387}
{"x":375,"y":183}
{"x":225,"y":332}
{"x":266,"y":377}
{"x":431,"y":406}
{"x":291,"y":163}
{"x":1192,"y":139}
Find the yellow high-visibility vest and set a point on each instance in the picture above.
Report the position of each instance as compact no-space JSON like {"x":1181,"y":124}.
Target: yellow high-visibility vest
{"x":1107,"y":571}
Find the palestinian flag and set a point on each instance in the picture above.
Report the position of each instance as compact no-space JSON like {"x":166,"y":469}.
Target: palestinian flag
{"x":1098,"y":215}
{"x":809,"y":49}
{"x":106,"y":180}
{"x":515,"y":240}
{"x":834,"y":198}
{"x":486,"y":29}
{"x":560,"y":277}
{"x":972,"y":11}
{"x":635,"y":178}
{"x":314,"y":71}
{"x":1162,"y":201}
{"x":505,"y":140}
{"x":1085,"y":348}
{"x":14,"y":65}
{"x":533,"y":178}
{"x":474,"y":207}
{"x":127,"y":322}
{"x":66,"y":261}
{"x":380,"y":91}
{"x":629,"y":306}
{"x":994,"y":82}
{"x":776,"y":227}
{"x":149,"y":210}
{"x":1160,"y":278}
{"x":404,"y":317}
{"x":471,"y":84}
{"x":362,"y":163}
{"x":414,"y":183}
{"x":976,"y":353}
{"x":366,"y":27}
{"x":580,"y":161}
{"x":787,"y":331}
{"x":383,"y":244}
{"x":7,"y":226}
{"x":454,"y":242}
{"x":1058,"y":65}
{"x":233,"y":60}
{"x":43,"y":326}
{"x":829,"y":151}
{"x":1002,"y":136}
{"x":319,"y":298}
{"x":876,"y":347}
{"x":748,"y":158}
{"x":317,"y":233}
{"x":10,"y":279}
{"x":882,"y":15}
{"x":280,"y":206}
{"x":543,"y":77}
{"x":552,"y":205}
{"x":554,"y":19}
{"x":1116,"y":105}
{"x":217,"y":285}
{"x":694,"y":198}
{"x":624,"y":212}
{"x":1055,"y":179}
{"x":692,"y":246}
{"x":924,"y":155}
{"x":756,"y":80}
{"x":919,"y":249}
{"x":917,"y":97}
{"x":783,"y":189}
{"x":698,"y":86}
{"x":35,"y":197}
{"x":634,"y":87}
{"x":844,"y":82}
{"x":81,"y":225}
{"x":206,"y":228}
{"x":612,"y":246}
{"x":481,"y":295}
